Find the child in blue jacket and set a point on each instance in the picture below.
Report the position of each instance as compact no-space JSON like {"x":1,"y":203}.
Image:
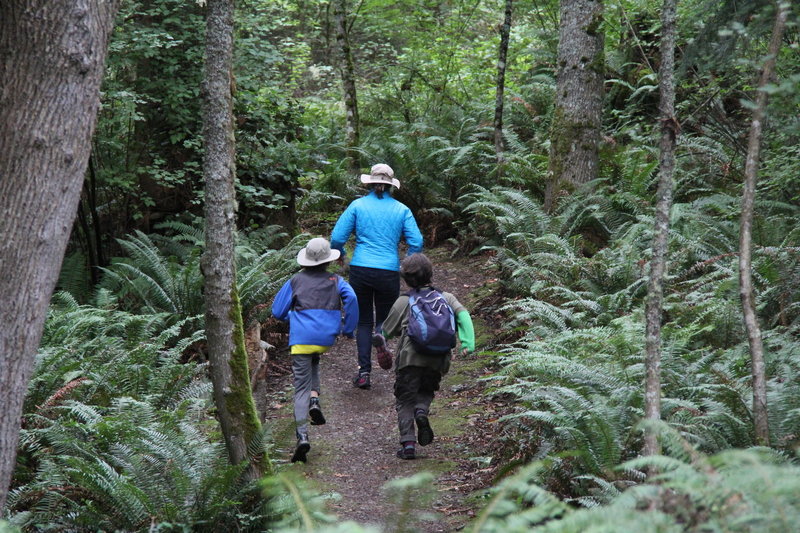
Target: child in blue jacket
{"x":312,"y":302}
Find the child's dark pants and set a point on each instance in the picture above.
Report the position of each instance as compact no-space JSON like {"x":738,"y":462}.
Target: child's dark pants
{"x":414,"y":388}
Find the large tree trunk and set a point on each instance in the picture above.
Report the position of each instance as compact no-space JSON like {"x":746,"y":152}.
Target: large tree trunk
{"x":224,"y":331}
{"x":577,"y":117}
{"x":745,"y":236}
{"x":90,"y":224}
{"x":658,"y":264}
{"x":505,"y":32}
{"x":52,"y":57}
{"x":347,"y":71}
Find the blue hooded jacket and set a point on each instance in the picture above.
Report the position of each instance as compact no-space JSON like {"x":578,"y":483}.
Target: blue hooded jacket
{"x":378,"y":223}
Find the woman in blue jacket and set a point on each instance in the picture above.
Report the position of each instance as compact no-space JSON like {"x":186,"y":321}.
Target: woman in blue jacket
{"x":379,"y":222}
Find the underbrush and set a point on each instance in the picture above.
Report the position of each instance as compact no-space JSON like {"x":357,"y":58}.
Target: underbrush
{"x":119,"y":430}
{"x":576,"y":370}
{"x":734,"y":490}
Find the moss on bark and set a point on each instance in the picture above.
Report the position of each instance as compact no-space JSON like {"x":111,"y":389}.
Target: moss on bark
{"x":240,"y":398}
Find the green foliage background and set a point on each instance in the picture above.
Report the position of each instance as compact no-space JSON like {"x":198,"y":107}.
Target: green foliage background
{"x":118,"y":432}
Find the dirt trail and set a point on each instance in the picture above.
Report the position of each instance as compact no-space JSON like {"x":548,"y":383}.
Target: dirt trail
{"x":353,"y":454}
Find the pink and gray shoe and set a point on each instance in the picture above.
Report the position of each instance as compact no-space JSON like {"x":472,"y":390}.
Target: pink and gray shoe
{"x":384,"y":355}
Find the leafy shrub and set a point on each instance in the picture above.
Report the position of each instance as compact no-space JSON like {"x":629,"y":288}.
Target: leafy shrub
{"x":736,"y":490}
{"x":116,"y":428}
{"x":577,"y":366}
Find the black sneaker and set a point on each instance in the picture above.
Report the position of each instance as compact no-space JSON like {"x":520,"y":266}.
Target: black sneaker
{"x":424,"y":431}
{"x":315,"y":412}
{"x":301,"y":449}
{"x":362,"y":381}
{"x":408,"y":451}
{"x":384,"y":355}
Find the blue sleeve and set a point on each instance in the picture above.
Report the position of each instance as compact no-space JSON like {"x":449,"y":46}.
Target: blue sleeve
{"x":350,"y":308}
{"x":412,"y":234}
{"x":283,"y":302}
{"x":343,"y":229}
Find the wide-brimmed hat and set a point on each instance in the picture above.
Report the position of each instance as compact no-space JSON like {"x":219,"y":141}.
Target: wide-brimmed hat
{"x":316,"y":252}
{"x":381,"y":173}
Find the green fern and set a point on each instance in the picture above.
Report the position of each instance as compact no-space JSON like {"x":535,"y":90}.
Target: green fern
{"x":123,"y":468}
{"x":74,"y":277}
{"x":737,"y":490}
{"x":149,"y":281}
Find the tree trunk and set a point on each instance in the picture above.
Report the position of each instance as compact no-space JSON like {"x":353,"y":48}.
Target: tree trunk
{"x":91,"y":255}
{"x":98,"y":235}
{"x":224,"y":331}
{"x":347,"y":71}
{"x":52,"y":57}
{"x":575,"y":132}
{"x":760,"y":418}
{"x":658,"y":264}
{"x":505,"y":31}
{"x":87,"y":209}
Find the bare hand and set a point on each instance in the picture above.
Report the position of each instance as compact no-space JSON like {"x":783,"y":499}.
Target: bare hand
{"x":344,"y":266}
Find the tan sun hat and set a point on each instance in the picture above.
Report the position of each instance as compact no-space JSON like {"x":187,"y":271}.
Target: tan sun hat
{"x":381,"y":173}
{"x":316,"y":252}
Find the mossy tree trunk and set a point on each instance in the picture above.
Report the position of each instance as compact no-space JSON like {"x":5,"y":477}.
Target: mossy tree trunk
{"x":575,"y":131}
{"x":347,"y":72}
{"x":505,"y":32}
{"x":658,"y":263}
{"x":758,"y":371}
{"x":52,"y":59}
{"x":224,"y":330}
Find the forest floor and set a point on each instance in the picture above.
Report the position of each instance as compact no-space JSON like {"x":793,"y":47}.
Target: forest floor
{"x":352,"y":456}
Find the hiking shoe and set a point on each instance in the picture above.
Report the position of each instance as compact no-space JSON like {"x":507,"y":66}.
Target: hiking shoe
{"x":301,"y":449}
{"x":362,"y":381}
{"x":315,"y":412}
{"x":408,"y":451}
{"x":382,"y":351}
{"x":424,"y":431}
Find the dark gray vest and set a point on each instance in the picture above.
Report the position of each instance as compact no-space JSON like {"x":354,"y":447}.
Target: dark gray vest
{"x":315,"y":290}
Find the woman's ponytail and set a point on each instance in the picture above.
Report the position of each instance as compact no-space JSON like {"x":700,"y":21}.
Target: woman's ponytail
{"x":379,"y":188}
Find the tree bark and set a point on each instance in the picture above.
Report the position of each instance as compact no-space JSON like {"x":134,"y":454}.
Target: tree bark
{"x":505,"y":32}
{"x":758,"y":371}
{"x":658,"y":264}
{"x":347,"y":72}
{"x":52,"y":57}
{"x":224,"y":330}
{"x":575,"y":132}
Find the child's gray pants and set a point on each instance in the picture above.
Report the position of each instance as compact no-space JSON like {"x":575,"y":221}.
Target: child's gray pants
{"x":306,"y":379}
